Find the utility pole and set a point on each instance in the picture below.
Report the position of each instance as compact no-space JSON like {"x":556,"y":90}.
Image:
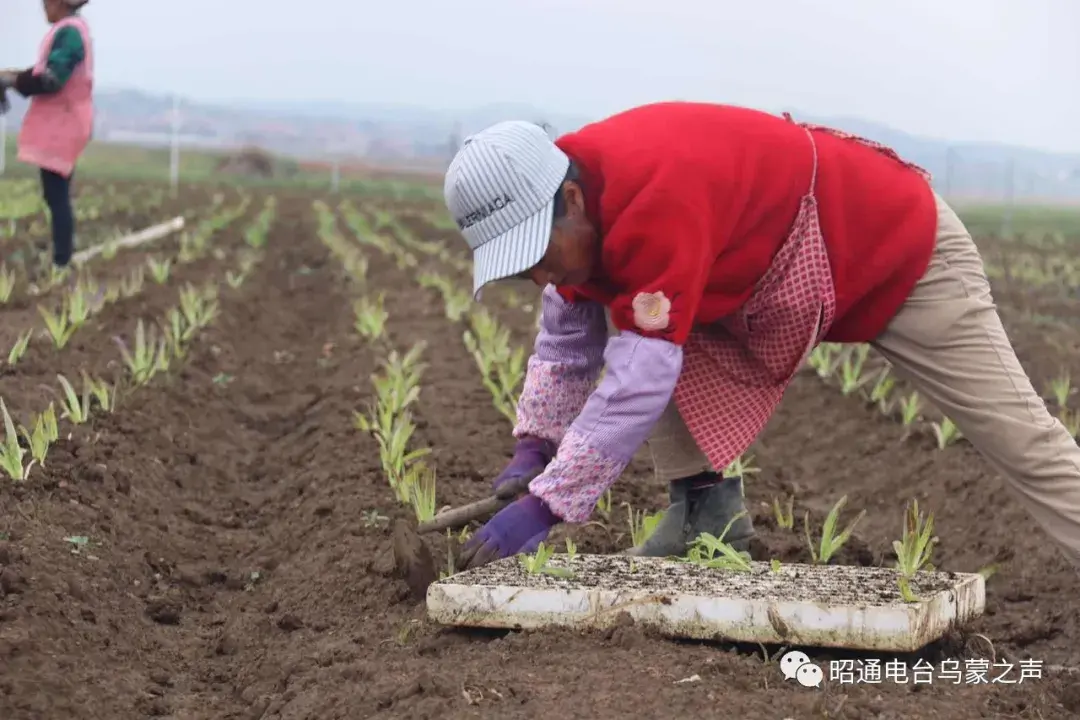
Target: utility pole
{"x":174,"y":146}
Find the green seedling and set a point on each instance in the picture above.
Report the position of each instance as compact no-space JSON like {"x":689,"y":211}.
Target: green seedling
{"x":142,"y":362}
{"x":177,"y":332}
{"x":45,"y":432}
{"x":821,"y":360}
{"x":712,"y":552}
{"x":909,"y":409}
{"x":11,"y":453}
{"x":741,"y":467}
{"x":132,"y":284}
{"x":1061,"y":388}
{"x":103,"y":393}
{"x":199,"y":307}
{"x":946,"y":433}
{"x":75,"y":409}
{"x":851,"y":377}
{"x":58,"y":325}
{"x":774,"y":565}
{"x":642,"y":524}
{"x":785,"y":517}
{"x":831,"y":542}
{"x":537,"y":563}
{"x":571,"y":551}
{"x":419,"y":482}
{"x":19,"y":348}
{"x":371,"y":317}
{"x":159,"y":269}
{"x":502,"y":369}
{"x":881,"y":394}
{"x":603,"y":506}
{"x":914,"y":549}
{"x":78,"y":307}
{"x":7,"y":283}
{"x":235,"y":280}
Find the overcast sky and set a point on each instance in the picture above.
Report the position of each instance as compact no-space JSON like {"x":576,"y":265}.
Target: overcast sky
{"x":1004,"y":70}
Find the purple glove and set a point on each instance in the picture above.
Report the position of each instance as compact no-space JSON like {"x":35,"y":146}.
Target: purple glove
{"x":519,"y":527}
{"x":531,"y":456}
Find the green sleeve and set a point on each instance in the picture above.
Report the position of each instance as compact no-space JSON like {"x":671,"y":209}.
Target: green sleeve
{"x":65,"y":55}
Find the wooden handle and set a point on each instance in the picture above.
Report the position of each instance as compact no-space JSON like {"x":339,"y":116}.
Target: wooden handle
{"x":507,"y":493}
{"x":462,"y":516}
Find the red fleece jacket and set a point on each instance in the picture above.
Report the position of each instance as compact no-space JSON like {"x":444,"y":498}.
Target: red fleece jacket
{"x":695,"y":199}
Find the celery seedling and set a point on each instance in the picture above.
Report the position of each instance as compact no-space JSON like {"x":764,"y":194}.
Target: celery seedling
{"x":76,"y":410}
{"x":914,"y":550}
{"x":830,"y":542}
{"x":419,"y":481}
{"x":571,"y":551}
{"x":11,"y":453}
{"x":712,"y":552}
{"x":741,"y":466}
{"x":58,"y":325}
{"x":44,"y":433}
{"x":946,"y":433}
{"x":882,"y":391}
{"x":19,"y":348}
{"x":785,"y":518}
{"x":1061,"y":388}
{"x":537,"y":563}
{"x":909,"y":409}
{"x":7,"y":283}
{"x":159,"y":269}
{"x":642,"y":524}
{"x":603,"y":505}
{"x":371,"y":317}
{"x":851,"y":369}
{"x":141,"y":362}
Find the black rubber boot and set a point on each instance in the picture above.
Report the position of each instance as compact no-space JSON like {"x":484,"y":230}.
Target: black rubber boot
{"x":702,"y":503}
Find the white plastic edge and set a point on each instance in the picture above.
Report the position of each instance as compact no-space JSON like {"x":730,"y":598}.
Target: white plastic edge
{"x":899,"y":627}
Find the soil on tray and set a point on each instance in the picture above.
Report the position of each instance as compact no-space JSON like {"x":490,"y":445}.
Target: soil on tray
{"x":221,"y":547}
{"x":819,"y":584}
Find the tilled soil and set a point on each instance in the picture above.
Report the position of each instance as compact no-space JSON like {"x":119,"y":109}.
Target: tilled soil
{"x":236,"y":564}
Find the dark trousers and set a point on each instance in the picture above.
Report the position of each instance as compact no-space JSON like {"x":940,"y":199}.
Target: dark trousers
{"x":57,"y":190}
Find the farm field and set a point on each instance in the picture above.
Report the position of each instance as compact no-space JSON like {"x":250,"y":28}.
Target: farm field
{"x":205,"y":532}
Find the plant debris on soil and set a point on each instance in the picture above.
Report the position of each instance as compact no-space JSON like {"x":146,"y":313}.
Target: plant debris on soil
{"x":238,"y":558}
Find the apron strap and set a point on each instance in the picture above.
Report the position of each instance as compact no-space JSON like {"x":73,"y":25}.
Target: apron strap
{"x":813,"y":148}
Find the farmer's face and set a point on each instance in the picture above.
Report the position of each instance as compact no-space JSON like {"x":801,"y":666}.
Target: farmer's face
{"x":55,"y":10}
{"x":574,"y":252}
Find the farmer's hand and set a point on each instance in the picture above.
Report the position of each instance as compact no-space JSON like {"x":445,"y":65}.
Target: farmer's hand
{"x":531,"y":456}
{"x":519,"y":527}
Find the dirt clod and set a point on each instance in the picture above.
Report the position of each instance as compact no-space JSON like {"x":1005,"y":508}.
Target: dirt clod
{"x":412,"y":559}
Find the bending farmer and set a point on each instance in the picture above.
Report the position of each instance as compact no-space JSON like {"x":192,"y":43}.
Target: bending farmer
{"x":58,"y":125}
{"x":724,"y":244}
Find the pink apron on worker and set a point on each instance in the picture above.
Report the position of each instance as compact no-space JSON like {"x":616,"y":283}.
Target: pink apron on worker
{"x":58,"y":127}
{"x":736,"y":371}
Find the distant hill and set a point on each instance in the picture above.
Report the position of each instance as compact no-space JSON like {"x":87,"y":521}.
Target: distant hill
{"x":424,"y":137}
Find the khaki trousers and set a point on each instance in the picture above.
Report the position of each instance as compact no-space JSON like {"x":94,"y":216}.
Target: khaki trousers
{"x":949,"y":343}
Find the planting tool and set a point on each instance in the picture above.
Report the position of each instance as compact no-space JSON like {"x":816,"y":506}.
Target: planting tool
{"x":858,"y":608}
{"x":412,"y":558}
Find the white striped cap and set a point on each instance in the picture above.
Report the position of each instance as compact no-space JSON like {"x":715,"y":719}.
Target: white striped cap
{"x":500,"y":190}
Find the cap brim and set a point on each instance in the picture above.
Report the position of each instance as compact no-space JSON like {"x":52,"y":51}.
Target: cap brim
{"x":513,"y":252}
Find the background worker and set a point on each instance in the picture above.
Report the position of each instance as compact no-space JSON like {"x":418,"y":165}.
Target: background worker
{"x":58,"y":125}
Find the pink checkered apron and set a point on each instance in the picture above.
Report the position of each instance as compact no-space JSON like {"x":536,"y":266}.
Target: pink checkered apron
{"x":736,"y":371}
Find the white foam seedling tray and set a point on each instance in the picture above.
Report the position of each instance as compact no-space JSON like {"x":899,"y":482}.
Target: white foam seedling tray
{"x":806,"y":605}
